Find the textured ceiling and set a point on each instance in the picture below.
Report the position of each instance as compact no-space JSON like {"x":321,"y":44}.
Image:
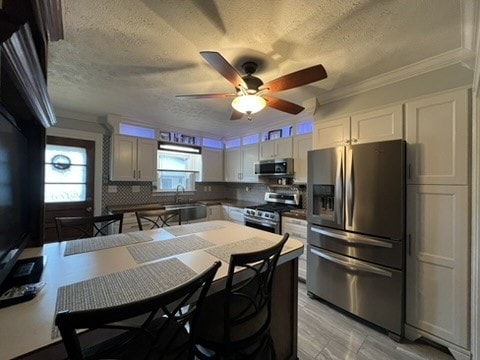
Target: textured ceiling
{"x":131,"y":57}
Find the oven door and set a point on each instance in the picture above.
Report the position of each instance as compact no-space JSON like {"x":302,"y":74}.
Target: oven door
{"x":262,"y":224}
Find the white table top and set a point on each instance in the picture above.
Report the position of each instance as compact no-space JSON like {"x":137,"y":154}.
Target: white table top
{"x":27,"y":326}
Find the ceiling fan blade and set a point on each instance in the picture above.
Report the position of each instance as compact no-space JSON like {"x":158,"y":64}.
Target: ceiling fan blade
{"x":219,"y":63}
{"x":295,"y":79}
{"x":283,"y":105}
{"x":206,"y":96}
{"x":236,"y":115}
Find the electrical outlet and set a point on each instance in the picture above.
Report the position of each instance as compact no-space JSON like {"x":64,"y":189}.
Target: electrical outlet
{"x":135,"y":189}
{"x":205,"y":189}
{"x":209,"y":188}
{"x":112,"y":188}
{"x":247,"y":189}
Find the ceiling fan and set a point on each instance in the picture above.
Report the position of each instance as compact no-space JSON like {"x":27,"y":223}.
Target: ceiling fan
{"x":251,"y":93}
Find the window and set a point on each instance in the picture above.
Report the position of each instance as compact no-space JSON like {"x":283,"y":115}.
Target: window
{"x":175,"y":168}
{"x":138,"y":131}
{"x":232,"y":143}
{"x":217,"y":144}
{"x":65,"y":174}
{"x":305,"y":128}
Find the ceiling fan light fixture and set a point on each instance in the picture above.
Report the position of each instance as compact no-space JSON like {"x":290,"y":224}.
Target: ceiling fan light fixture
{"x":248,"y":104}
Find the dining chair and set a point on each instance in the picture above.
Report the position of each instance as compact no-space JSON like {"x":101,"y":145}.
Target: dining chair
{"x":168,"y":329}
{"x":158,"y":218}
{"x":235,"y":323}
{"x":79,"y":227}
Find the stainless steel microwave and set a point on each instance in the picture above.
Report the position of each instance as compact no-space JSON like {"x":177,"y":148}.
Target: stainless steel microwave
{"x":274,"y":167}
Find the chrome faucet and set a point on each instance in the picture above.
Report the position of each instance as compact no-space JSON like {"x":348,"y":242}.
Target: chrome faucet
{"x":177,"y":194}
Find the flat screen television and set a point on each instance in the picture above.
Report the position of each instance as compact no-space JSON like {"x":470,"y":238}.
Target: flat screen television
{"x":14,"y":193}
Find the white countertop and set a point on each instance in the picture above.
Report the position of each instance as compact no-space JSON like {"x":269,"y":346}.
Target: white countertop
{"x":27,"y":326}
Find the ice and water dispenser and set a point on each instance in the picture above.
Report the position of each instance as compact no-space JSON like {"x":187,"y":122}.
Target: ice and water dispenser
{"x":324,"y":201}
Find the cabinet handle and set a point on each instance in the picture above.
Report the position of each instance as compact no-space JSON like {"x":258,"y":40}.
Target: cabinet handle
{"x":134,"y":174}
{"x":409,"y":245}
{"x":347,"y":141}
{"x":139,"y":174}
{"x":409,"y":171}
{"x":354,"y":140}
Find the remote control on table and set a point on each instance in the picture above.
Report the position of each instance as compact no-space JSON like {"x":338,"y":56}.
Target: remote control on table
{"x":20,"y":294}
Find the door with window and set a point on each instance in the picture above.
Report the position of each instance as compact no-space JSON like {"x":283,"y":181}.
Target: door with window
{"x":69,"y":180}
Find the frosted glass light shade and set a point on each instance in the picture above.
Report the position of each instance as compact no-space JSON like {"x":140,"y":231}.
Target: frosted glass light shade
{"x":248,"y":104}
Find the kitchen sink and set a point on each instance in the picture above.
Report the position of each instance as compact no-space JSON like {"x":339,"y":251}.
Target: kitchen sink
{"x":189,"y":211}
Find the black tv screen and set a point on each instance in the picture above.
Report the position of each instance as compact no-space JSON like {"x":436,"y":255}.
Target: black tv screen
{"x":14,"y":218}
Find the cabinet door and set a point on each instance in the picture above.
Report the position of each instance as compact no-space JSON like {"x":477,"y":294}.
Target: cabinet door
{"x":379,"y":125}
{"x":212,"y":164}
{"x":301,"y":145}
{"x":267,"y":150}
{"x":214,"y":212}
{"x":124,"y":158}
{"x":249,"y":158}
{"x":284,"y":148}
{"x":232,"y":164}
{"x":146,"y":160}
{"x":437,"y":136}
{"x":297,"y":228}
{"x":331,"y":133}
{"x":438,"y":261}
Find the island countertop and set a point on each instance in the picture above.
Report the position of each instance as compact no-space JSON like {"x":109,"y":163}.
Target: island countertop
{"x":27,"y":327}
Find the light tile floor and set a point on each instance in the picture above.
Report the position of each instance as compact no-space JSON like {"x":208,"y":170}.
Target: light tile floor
{"x":324,"y":333}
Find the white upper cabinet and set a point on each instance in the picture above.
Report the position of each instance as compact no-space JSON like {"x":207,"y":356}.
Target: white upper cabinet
{"x":301,"y":145}
{"x":240,"y":163}
{"x":276,"y":149}
{"x":133,"y":159}
{"x":331,"y":133}
{"x":376,"y":125}
{"x":437,"y":137}
{"x":212,"y":164}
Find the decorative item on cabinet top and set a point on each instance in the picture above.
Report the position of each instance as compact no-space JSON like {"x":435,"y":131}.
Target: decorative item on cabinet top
{"x":179,"y":138}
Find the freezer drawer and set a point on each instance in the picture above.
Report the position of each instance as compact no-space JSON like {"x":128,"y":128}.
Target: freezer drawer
{"x":374,"y":293}
{"x":379,"y":251}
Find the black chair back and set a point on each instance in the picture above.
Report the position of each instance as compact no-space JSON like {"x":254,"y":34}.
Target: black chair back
{"x":79,"y":227}
{"x":158,"y":218}
{"x":168,"y":331}
{"x":246,"y":307}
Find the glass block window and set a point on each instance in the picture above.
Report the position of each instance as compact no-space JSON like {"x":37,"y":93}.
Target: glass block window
{"x":217,"y":144}
{"x":65,"y":174}
{"x":250,"y":139}
{"x":232,"y":143}
{"x":138,"y":131}
{"x":305,"y":127}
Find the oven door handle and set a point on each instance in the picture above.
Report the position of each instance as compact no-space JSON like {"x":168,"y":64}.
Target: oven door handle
{"x":260,"y":221}
{"x":351,"y":264}
{"x":352,"y":238}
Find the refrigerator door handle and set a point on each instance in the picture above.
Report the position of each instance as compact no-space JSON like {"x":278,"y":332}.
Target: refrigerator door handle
{"x":339,"y":188}
{"x":351,"y":264}
{"x":352,"y":238}
{"x":349,"y":187}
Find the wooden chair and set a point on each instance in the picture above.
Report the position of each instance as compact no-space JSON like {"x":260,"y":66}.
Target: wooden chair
{"x":157,"y":218}
{"x":79,"y":227}
{"x":168,"y":329}
{"x":236,"y":321}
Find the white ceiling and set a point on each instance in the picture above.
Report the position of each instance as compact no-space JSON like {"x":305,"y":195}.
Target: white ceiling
{"x":131,"y":57}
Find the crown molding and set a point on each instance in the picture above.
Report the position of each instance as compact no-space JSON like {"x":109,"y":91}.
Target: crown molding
{"x":452,"y":57}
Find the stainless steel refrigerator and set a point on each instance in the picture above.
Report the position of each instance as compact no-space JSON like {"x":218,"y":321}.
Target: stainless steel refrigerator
{"x":356,"y":230}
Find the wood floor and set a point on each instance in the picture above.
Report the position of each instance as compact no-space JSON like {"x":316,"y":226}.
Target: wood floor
{"x":324,"y":333}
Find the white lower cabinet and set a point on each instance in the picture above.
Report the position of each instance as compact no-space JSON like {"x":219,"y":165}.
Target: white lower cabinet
{"x":233,"y":214}
{"x":437,"y":304}
{"x":214,"y":212}
{"x":297,"y":228}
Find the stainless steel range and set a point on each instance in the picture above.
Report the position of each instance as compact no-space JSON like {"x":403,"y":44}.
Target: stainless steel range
{"x":268,"y":217}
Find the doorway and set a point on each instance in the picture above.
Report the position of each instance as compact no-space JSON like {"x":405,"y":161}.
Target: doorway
{"x":69,"y":180}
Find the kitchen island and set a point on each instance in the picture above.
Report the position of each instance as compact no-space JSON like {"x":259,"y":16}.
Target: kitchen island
{"x":26,"y":328}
